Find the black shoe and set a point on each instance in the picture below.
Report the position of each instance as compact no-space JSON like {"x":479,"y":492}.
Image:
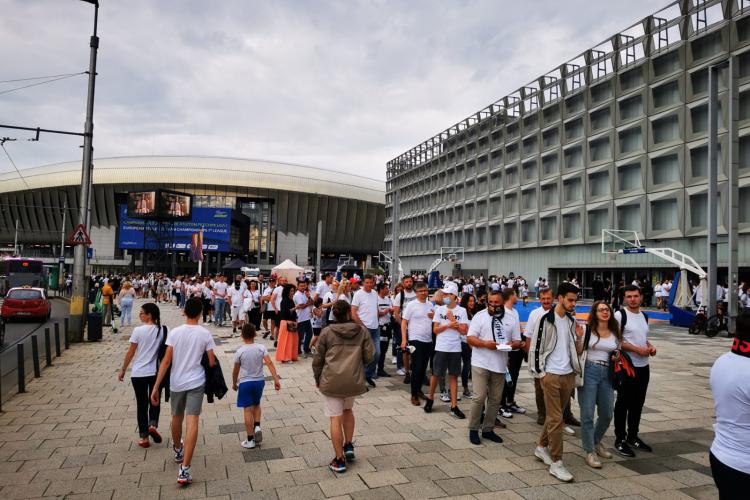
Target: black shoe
{"x":474,"y":437}
{"x":573,"y":421}
{"x":265,"y":335}
{"x":622,"y":448}
{"x":492,"y":437}
{"x":370,"y":382}
{"x":457,"y":413}
{"x":638,"y":444}
{"x":383,"y":373}
{"x":407,"y":378}
{"x":500,"y":423}
{"x":428,"y":406}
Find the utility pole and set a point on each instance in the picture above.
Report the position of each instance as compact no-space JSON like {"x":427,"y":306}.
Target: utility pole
{"x":15,"y":241}
{"x":733,"y":216}
{"x":80,"y":283}
{"x":709,"y":296}
{"x":318,"y":250}
{"x":394,"y":235}
{"x":61,"y":278}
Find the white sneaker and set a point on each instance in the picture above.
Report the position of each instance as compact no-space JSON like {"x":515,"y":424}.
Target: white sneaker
{"x":393,"y":360}
{"x":257,"y":434}
{"x":445,"y":397}
{"x":558,"y":470}
{"x":401,"y":372}
{"x":542,"y":453}
{"x":248,"y":444}
{"x":569,"y":430}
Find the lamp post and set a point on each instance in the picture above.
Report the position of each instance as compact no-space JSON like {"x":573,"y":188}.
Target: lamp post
{"x":80,"y":284}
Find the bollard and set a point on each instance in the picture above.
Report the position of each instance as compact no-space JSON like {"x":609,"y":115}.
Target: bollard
{"x":47,"y":347}
{"x":65,"y":331}
{"x":35,"y":356}
{"x":21,"y":371}
{"x":57,"y":339}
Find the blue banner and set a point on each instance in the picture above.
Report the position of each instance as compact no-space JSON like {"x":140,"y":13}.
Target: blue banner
{"x":216,"y":223}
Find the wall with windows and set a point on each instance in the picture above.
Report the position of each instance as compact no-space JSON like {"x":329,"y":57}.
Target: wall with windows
{"x":614,"y":138}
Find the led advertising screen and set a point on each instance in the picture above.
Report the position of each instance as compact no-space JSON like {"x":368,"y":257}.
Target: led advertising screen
{"x":174,"y":206}
{"x":142,"y":204}
{"x":136,"y":233}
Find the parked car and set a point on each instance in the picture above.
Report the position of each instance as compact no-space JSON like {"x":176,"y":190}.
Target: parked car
{"x":26,"y":302}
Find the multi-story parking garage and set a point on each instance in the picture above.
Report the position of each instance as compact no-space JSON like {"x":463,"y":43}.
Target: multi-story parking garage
{"x":614,"y":138}
{"x":260,"y":211}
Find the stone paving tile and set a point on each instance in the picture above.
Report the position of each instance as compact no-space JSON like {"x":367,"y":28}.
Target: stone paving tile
{"x":78,"y":425}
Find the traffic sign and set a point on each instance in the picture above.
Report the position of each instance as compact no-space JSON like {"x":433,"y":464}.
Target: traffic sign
{"x":79,"y":236}
{"x":61,"y":260}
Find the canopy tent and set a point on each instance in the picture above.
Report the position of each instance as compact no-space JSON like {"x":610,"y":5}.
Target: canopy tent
{"x":234,"y":265}
{"x":289,"y":270}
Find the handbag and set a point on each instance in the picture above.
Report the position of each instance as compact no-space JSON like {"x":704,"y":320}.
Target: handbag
{"x":620,"y":370}
{"x":291,"y":326}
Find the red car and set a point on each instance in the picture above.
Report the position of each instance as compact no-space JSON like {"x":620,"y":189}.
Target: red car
{"x":26,"y":302}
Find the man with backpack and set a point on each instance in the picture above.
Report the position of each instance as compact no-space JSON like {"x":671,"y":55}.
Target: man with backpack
{"x":631,"y":398}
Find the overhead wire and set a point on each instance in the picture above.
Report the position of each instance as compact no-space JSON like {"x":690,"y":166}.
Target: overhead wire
{"x":37,"y":78}
{"x":40,"y":83}
{"x":2,"y":145}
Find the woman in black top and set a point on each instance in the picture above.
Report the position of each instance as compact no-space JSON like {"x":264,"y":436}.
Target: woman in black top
{"x":287,"y":350}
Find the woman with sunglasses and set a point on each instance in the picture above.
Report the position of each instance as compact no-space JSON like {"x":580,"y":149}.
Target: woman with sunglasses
{"x":602,"y":341}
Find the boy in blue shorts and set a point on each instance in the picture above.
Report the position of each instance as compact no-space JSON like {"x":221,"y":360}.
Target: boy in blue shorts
{"x":248,"y":381}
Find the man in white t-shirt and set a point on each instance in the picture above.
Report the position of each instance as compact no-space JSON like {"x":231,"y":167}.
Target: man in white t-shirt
{"x":323,"y":286}
{"x":303,"y":303}
{"x":400,"y":301}
{"x":729,"y":457}
{"x":365,"y":312}
{"x":220,"y":298}
{"x":632,"y":396}
{"x":185,"y":347}
{"x":489,"y":328}
{"x":236,"y":298}
{"x":416,"y":328}
{"x":449,"y":323}
{"x":266,"y":307}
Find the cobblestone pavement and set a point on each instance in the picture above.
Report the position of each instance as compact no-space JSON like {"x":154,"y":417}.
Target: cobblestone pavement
{"x":73,"y":435}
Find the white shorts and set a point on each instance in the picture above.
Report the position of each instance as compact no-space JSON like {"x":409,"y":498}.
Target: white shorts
{"x":334,"y":407}
{"x":235,"y":313}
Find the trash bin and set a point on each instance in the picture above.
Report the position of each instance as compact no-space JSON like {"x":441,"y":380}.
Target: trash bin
{"x":94,"y":328}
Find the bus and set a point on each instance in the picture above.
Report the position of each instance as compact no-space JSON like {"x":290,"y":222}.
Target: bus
{"x":19,"y":271}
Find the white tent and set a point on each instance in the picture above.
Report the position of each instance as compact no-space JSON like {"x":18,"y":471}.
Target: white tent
{"x":289,"y":270}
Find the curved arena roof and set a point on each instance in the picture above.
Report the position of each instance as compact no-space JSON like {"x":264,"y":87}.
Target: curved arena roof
{"x":201,"y":170}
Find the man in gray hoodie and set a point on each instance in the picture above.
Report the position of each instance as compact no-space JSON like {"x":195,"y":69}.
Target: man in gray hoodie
{"x":343,"y":351}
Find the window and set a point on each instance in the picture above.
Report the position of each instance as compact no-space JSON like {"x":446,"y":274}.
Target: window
{"x":601,"y":93}
{"x":699,"y":80}
{"x":459,"y":211}
{"x":629,"y":218}
{"x":600,"y":150}
{"x":496,"y":182}
{"x":699,"y":210}
{"x":631,"y":140}
{"x":469,"y":233}
{"x":699,"y":161}
{"x":665,"y":169}
{"x":496,"y":207}
{"x":631,"y":79}
{"x":699,"y":117}
{"x":481,"y":210}
{"x":744,"y":201}
{"x":511,"y":203}
{"x":549,"y":195}
{"x":481,"y":236}
{"x":571,"y":226}
{"x":599,"y":184}
{"x":482,"y":186}
{"x":551,"y":138}
{"x":511,"y":176}
{"x":511,"y":152}
{"x":630,"y":177}
{"x":530,"y":146}
{"x":511,"y":235}
{"x":666,"y":129}
{"x":550,"y":164}
{"x":601,"y":119}
{"x":528,"y":199}
{"x":574,"y":104}
{"x":598,"y":220}
{"x":574,"y":129}
{"x":667,"y":63}
{"x":667,"y":94}
{"x":549,"y":228}
{"x":572,"y":190}
{"x":470,"y":212}
{"x":631,"y":108}
{"x":529,"y":171}
{"x":495,"y":235}
{"x":574,"y":157}
{"x":528,"y":231}
{"x":664,"y":215}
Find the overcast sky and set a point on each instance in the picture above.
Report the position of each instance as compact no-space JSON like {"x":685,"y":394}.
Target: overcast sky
{"x":344,"y":85}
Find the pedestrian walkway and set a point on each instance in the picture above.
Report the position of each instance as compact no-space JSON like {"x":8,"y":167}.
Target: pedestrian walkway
{"x":73,"y":435}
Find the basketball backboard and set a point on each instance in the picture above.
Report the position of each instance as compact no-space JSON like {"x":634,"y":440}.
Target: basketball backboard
{"x":616,"y":241}
{"x":452,"y":254}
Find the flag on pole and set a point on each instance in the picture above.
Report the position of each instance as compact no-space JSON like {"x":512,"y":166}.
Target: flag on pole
{"x":196,"y":247}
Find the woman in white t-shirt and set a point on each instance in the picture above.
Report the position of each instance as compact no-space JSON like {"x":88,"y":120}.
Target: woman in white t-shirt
{"x":144,"y":352}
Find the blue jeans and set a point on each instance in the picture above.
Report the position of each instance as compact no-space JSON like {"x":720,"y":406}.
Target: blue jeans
{"x":219,"y":310}
{"x":596,"y":393}
{"x":305,"y":334}
{"x":371,"y":369}
{"x":126,"y":309}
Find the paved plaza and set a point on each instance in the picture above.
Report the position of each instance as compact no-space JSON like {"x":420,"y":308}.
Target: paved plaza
{"x":73,"y":435}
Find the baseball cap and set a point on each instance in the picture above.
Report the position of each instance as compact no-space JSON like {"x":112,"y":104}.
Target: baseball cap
{"x":450,"y":287}
{"x":353,"y":280}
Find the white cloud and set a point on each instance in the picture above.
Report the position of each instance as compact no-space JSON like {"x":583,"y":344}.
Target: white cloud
{"x":338,"y":84}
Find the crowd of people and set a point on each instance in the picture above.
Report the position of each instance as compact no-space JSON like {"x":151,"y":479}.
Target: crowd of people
{"x":467,"y":331}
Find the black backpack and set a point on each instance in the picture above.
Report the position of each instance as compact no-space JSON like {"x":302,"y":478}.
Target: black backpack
{"x":624,"y":318}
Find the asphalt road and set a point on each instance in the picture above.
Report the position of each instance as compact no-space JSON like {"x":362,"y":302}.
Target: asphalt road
{"x":18,"y":329}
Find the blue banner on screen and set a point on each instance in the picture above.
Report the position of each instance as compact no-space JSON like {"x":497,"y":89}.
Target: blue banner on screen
{"x":216,"y":224}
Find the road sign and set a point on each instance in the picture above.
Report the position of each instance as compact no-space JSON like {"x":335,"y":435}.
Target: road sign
{"x":634,"y":250}
{"x":79,"y":236}
{"x":61,"y":260}
{"x":89,"y":253}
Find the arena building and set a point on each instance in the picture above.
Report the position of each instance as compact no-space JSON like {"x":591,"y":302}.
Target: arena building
{"x":258,"y":211}
{"x":614,"y":138}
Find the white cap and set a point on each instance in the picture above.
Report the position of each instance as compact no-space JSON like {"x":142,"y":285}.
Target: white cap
{"x":450,"y":287}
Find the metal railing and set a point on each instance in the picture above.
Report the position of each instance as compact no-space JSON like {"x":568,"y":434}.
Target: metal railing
{"x":23,"y":361}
